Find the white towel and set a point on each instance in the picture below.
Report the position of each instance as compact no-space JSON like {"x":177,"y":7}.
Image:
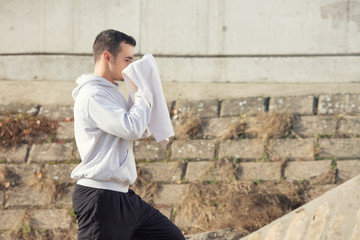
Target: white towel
{"x":144,"y":74}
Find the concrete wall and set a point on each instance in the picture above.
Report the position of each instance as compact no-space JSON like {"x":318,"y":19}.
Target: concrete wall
{"x":194,"y":41}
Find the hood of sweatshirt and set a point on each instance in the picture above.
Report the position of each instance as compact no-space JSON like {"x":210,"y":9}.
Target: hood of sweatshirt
{"x":90,"y":78}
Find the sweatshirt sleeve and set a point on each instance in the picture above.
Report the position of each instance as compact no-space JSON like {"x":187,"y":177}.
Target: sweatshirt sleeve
{"x":109,"y":116}
{"x":147,"y":132}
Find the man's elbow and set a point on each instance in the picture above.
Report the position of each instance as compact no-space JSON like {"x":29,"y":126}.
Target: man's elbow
{"x":137,"y":133}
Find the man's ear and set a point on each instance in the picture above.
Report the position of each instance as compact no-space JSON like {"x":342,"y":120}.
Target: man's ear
{"x":107,"y":56}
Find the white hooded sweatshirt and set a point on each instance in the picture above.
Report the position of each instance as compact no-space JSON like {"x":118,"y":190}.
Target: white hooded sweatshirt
{"x":105,"y":126}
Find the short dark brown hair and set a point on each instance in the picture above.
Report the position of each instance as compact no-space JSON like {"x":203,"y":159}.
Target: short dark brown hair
{"x":109,"y":40}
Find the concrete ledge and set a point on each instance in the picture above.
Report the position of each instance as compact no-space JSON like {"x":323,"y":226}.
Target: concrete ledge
{"x":59,"y":92}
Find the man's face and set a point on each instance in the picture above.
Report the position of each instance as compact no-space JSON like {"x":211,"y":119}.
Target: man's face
{"x":122,"y":60}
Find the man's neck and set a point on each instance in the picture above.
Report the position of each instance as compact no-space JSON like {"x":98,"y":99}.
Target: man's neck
{"x":99,"y":71}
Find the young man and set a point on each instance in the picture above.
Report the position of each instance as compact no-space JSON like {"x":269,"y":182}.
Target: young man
{"x":105,"y":127}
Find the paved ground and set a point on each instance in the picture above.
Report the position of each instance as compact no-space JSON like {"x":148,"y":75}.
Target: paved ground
{"x":59,"y":93}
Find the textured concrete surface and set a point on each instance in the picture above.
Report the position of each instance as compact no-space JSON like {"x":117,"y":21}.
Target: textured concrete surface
{"x":144,"y":150}
{"x":309,"y":126}
{"x":14,"y":155}
{"x":299,"y":104}
{"x":307,"y":170}
{"x":170,"y":172}
{"x":301,"y":149}
{"x":260,"y":170}
{"x":242,"y":149}
{"x":51,"y":152}
{"x":236,"y":106}
{"x":193,"y":149}
{"x":340,"y":148}
{"x":222,"y":29}
{"x":171,"y":194}
{"x":350,"y":126}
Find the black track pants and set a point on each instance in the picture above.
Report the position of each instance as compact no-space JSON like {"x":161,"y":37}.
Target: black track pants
{"x":110,"y":215}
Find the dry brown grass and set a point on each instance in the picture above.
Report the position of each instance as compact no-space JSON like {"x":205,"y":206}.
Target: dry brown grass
{"x":23,"y":229}
{"x":4,"y":183}
{"x":234,"y":130}
{"x":325,"y":178}
{"x":48,"y":187}
{"x":144,"y":187}
{"x":264,"y":125}
{"x":350,"y":122}
{"x":190,"y":126}
{"x":25,"y":128}
{"x":222,"y":169}
{"x":148,"y":139}
{"x":244,"y":206}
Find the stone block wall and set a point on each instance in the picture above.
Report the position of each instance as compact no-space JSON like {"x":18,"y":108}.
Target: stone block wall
{"x":323,"y":140}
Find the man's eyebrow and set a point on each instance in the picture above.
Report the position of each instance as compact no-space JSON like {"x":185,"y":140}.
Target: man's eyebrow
{"x":129,"y":58}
